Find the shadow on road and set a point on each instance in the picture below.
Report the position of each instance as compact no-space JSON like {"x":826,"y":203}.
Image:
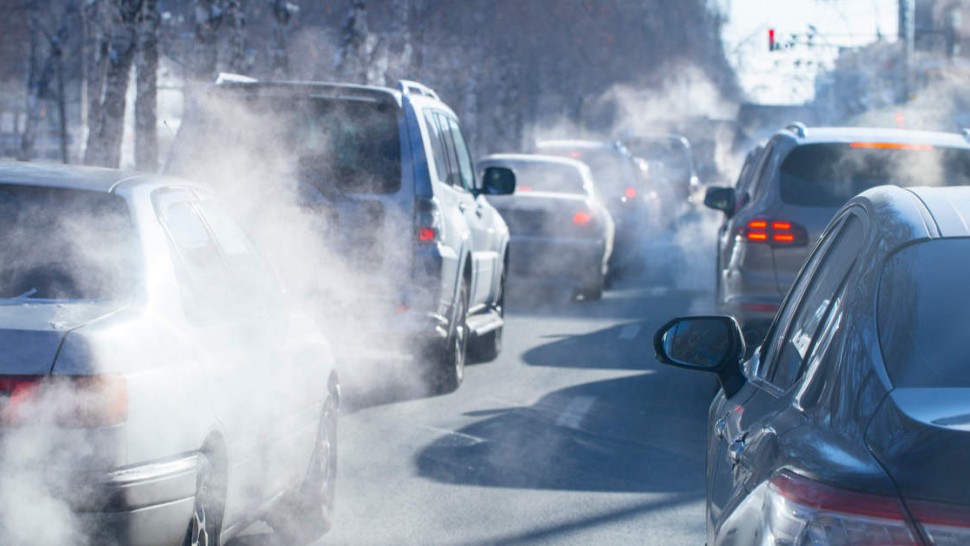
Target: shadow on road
{"x":644,"y":433}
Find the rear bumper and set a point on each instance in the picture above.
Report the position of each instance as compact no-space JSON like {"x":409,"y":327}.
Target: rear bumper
{"x":149,"y":504}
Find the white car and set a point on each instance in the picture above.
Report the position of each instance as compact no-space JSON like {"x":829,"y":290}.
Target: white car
{"x":152,"y":384}
{"x":559,"y":230}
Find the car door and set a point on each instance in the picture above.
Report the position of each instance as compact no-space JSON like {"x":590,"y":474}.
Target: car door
{"x":474,"y":208}
{"x":747,"y":426}
{"x":744,"y":193}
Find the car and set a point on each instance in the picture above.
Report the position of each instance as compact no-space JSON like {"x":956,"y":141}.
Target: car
{"x":790,"y":189}
{"x":849,"y":425}
{"x":155,"y":389}
{"x":561,"y":234}
{"x":389,"y":174}
{"x":620,"y":181}
{"x":670,"y":160}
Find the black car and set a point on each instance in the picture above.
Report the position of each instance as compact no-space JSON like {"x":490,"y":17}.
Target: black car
{"x":851,"y":423}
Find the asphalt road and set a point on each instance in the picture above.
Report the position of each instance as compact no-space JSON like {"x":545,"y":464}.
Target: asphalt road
{"x":574,"y":435}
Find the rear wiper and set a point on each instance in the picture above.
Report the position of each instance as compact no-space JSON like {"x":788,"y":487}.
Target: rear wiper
{"x":16,"y":299}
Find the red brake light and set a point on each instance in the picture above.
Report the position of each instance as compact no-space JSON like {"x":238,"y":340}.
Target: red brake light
{"x":775,"y":232}
{"x":75,"y":401}
{"x":523,"y":188}
{"x":890,"y":146}
{"x":427,"y":234}
{"x":630,"y":192}
{"x":582,"y":218}
{"x":575,"y":154}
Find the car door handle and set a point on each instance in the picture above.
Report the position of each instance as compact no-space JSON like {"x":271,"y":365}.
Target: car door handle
{"x":736,"y":451}
{"x":462,"y":207}
{"x":479,"y":211}
{"x":720,"y":428}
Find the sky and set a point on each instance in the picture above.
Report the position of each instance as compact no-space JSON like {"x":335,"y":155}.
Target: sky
{"x":787,"y":76}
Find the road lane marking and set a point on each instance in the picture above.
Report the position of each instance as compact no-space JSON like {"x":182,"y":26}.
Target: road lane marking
{"x":630,"y":331}
{"x":575,"y":411}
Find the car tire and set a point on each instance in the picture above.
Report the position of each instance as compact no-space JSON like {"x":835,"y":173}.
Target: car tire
{"x":448,"y":363}
{"x":205,"y":526}
{"x":306,"y":514}
{"x":487,"y":347}
{"x":593,"y":288}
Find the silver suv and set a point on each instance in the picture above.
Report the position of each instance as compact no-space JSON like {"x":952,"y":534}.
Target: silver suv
{"x":390,"y":175}
{"x":791,"y":187}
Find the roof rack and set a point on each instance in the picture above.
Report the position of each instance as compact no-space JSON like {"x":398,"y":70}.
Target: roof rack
{"x":229,"y":77}
{"x":796,"y":127}
{"x":407,"y":87}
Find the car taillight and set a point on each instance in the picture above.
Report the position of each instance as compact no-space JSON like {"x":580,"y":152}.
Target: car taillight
{"x":775,"y":233}
{"x":582,"y":218}
{"x":427,"y":221}
{"x":944,"y":524}
{"x":630,"y":192}
{"x":802,"y":511}
{"x":76,"y":401}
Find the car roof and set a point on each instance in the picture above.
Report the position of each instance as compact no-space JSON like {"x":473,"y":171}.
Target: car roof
{"x":818,"y":135}
{"x":77,"y":177}
{"x":310,"y":89}
{"x":533,"y":158}
{"x":578,"y":144}
{"x":949,"y":206}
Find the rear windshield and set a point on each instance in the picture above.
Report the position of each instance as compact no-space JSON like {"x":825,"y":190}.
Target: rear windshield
{"x":923,"y":314}
{"x":828,"y":175}
{"x":549,"y":177}
{"x":667,"y":156}
{"x":613,"y":171}
{"x":337,"y":146}
{"x":58,"y":244}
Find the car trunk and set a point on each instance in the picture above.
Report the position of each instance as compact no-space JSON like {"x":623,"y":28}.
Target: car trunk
{"x":546,"y":214}
{"x":921,"y":436}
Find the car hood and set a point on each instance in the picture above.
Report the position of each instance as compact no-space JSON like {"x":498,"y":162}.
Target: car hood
{"x":922,"y":438}
{"x":31,"y":334}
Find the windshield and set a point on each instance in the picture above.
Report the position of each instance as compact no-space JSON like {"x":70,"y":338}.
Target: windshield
{"x":336,"y":146}
{"x":548,"y":177}
{"x":923,"y":314}
{"x":58,"y":244}
{"x":828,"y":175}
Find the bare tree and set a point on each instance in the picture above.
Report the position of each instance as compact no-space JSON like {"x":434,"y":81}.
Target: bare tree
{"x":208,"y":18}
{"x":236,"y":16}
{"x":45,"y":81}
{"x":106,"y":131}
{"x":283,"y":14}
{"x":353,"y":55}
{"x":146,"y":99}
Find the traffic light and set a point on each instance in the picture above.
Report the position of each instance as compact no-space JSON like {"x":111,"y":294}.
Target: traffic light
{"x":772,"y":44}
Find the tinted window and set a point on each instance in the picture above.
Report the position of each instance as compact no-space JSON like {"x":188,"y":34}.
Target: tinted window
{"x":923,"y":314}
{"x":464,"y":157}
{"x":437,"y":146}
{"x":59,"y":244}
{"x":814,"y":305}
{"x":337,"y":146}
{"x":828,"y":175}
{"x":447,"y":137}
{"x":548,"y":177}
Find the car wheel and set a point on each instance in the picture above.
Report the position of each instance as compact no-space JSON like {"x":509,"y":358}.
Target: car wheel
{"x":205,"y":527}
{"x":487,"y":347}
{"x":306,"y":514}
{"x":448,"y":365}
{"x":593,"y":287}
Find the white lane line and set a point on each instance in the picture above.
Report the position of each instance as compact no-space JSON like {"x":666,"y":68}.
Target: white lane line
{"x":630,"y":331}
{"x":575,"y":411}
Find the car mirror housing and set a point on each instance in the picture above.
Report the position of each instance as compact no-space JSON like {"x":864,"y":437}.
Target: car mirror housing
{"x":498,"y":181}
{"x":720,"y":198}
{"x":705,"y":343}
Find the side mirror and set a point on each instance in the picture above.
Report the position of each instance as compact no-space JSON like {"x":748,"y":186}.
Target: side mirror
{"x":720,"y":198}
{"x":709,"y":343}
{"x":498,"y":181}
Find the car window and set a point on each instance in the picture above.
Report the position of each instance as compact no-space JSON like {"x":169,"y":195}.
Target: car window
{"x":808,"y":303}
{"x":762,"y":164}
{"x":828,"y":175}
{"x":62,"y":244}
{"x":203,"y":278}
{"x":549,"y":177}
{"x":923,"y":314}
{"x":437,"y":146}
{"x":464,"y":157}
{"x":250,"y":277}
{"x":454,"y":171}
